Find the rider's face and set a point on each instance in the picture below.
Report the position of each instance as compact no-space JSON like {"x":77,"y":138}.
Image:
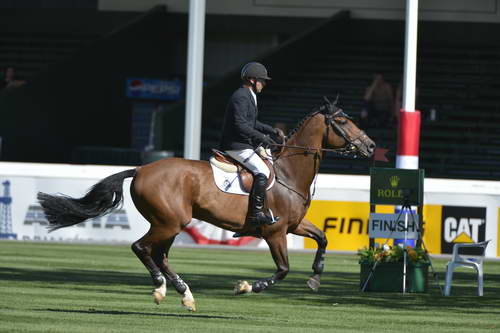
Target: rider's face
{"x":259,"y":85}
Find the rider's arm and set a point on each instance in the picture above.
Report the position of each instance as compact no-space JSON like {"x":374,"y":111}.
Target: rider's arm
{"x":241,"y":120}
{"x":264,"y":128}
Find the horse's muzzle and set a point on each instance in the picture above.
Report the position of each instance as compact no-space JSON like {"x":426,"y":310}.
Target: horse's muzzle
{"x":367,"y":147}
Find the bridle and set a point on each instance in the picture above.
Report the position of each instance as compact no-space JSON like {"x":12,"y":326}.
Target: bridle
{"x":330,"y":111}
{"x":350,"y":149}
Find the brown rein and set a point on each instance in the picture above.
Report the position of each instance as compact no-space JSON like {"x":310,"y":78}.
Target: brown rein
{"x":308,"y":198}
{"x":333,"y":150}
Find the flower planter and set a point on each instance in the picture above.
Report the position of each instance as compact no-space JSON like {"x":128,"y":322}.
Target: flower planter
{"x":388,"y":277}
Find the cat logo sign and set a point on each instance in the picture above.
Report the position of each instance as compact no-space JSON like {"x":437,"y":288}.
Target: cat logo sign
{"x":462,"y":225}
{"x":466,"y":230}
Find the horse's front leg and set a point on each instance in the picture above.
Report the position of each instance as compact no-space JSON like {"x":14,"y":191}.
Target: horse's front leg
{"x":277,"y":245}
{"x":307,"y":229}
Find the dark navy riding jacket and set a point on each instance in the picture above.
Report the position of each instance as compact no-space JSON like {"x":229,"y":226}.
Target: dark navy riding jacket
{"x":241,"y":128}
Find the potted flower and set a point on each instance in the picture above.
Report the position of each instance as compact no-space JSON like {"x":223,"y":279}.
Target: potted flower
{"x":387,"y":265}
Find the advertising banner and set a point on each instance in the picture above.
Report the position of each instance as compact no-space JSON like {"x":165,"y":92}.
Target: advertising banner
{"x":22,"y":217}
{"x":390,"y":186}
{"x":454,"y":211}
{"x":346,"y":225}
{"x":462,"y":225}
{"x":169,"y":90}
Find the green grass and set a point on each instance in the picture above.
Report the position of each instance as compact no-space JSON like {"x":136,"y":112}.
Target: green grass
{"x":98,"y":288}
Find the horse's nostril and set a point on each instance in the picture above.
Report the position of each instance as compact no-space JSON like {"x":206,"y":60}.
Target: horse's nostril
{"x":371,"y":147}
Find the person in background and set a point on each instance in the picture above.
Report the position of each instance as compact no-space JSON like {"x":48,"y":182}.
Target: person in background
{"x":379,"y":102}
{"x":8,"y":79}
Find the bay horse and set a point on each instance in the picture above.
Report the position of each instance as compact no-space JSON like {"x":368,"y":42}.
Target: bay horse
{"x":170,"y":192}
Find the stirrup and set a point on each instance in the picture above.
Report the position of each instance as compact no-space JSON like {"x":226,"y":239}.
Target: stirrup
{"x":256,"y":233}
{"x":257,"y":220}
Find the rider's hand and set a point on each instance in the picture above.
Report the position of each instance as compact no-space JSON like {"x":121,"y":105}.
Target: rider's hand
{"x":268,"y":142}
{"x":279,"y":136}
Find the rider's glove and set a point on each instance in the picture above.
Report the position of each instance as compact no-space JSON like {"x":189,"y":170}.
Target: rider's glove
{"x":278,"y":136}
{"x":267,"y":141}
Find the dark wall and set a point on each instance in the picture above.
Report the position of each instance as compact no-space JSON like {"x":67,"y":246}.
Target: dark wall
{"x":81,"y":100}
{"x":325,"y":36}
{"x":429,"y":33}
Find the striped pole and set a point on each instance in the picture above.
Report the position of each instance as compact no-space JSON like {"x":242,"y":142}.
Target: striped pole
{"x":409,"y":118}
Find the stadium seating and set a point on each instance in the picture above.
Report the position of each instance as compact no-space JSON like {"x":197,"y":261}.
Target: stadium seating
{"x":335,"y":57}
{"x":459,"y":83}
{"x":31,"y":53}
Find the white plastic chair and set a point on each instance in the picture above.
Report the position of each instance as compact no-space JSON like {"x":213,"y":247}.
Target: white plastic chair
{"x":475,"y":262}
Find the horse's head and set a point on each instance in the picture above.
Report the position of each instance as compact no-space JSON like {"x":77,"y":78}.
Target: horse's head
{"x":341,"y":133}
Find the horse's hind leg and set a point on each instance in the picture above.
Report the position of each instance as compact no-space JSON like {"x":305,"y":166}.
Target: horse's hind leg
{"x":307,"y":229}
{"x":160,"y":257}
{"x":144,"y":249}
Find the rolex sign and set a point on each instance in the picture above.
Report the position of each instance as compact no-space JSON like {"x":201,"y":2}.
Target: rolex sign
{"x":389,"y":186}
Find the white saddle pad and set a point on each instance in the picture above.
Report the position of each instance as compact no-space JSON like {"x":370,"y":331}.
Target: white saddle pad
{"x":228,"y":180}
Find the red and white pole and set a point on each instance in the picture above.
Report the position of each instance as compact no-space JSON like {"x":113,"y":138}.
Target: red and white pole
{"x":409,"y":118}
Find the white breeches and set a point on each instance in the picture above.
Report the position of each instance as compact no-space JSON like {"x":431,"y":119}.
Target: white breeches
{"x":251,"y":160}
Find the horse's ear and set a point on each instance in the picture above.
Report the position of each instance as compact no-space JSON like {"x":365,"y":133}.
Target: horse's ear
{"x":336,"y":99}
{"x":327,"y":100}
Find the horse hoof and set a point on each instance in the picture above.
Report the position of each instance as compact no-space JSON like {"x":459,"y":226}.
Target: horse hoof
{"x":158,"y":297}
{"x":313,"y":283}
{"x":190,"y":305}
{"x":160,"y":292}
{"x":242,"y":287}
{"x":188,"y":300}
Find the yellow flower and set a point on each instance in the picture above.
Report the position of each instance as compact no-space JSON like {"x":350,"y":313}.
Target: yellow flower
{"x":413,"y":254}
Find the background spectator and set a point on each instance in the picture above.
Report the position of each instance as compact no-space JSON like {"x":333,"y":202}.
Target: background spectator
{"x":8,"y":79}
{"x":379,"y":100}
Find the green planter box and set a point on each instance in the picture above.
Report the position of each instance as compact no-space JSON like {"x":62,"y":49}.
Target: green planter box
{"x":388,"y":277}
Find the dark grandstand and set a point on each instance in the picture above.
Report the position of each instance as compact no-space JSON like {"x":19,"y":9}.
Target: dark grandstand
{"x":74,"y":107}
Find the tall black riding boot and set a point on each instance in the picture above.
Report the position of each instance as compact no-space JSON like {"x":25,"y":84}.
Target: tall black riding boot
{"x":256,"y":215}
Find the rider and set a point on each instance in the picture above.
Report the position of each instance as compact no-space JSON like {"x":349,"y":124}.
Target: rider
{"x":242,"y":133}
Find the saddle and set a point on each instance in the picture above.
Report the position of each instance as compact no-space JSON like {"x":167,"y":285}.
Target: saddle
{"x":225,"y":162}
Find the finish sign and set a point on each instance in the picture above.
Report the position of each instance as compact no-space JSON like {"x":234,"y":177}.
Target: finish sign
{"x":387,"y":226}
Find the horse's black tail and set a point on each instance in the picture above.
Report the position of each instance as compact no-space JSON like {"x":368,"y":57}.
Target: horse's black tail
{"x":63,"y":211}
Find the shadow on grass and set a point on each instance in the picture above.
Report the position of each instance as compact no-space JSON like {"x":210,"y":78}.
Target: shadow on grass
{"x":343,"y":288}
{"x":80,"y":276}
{"x":337,"y":287}
{"x":122,"y":313}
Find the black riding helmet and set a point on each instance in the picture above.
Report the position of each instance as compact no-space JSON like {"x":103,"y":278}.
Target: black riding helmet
{"x":255,"y":70}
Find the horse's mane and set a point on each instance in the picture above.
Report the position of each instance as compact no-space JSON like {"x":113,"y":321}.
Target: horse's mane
{"x":323,"y":108}
{"x":299,"y":125}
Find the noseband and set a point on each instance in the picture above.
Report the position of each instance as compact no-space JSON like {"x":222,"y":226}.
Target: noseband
{"x":350,"y":149}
